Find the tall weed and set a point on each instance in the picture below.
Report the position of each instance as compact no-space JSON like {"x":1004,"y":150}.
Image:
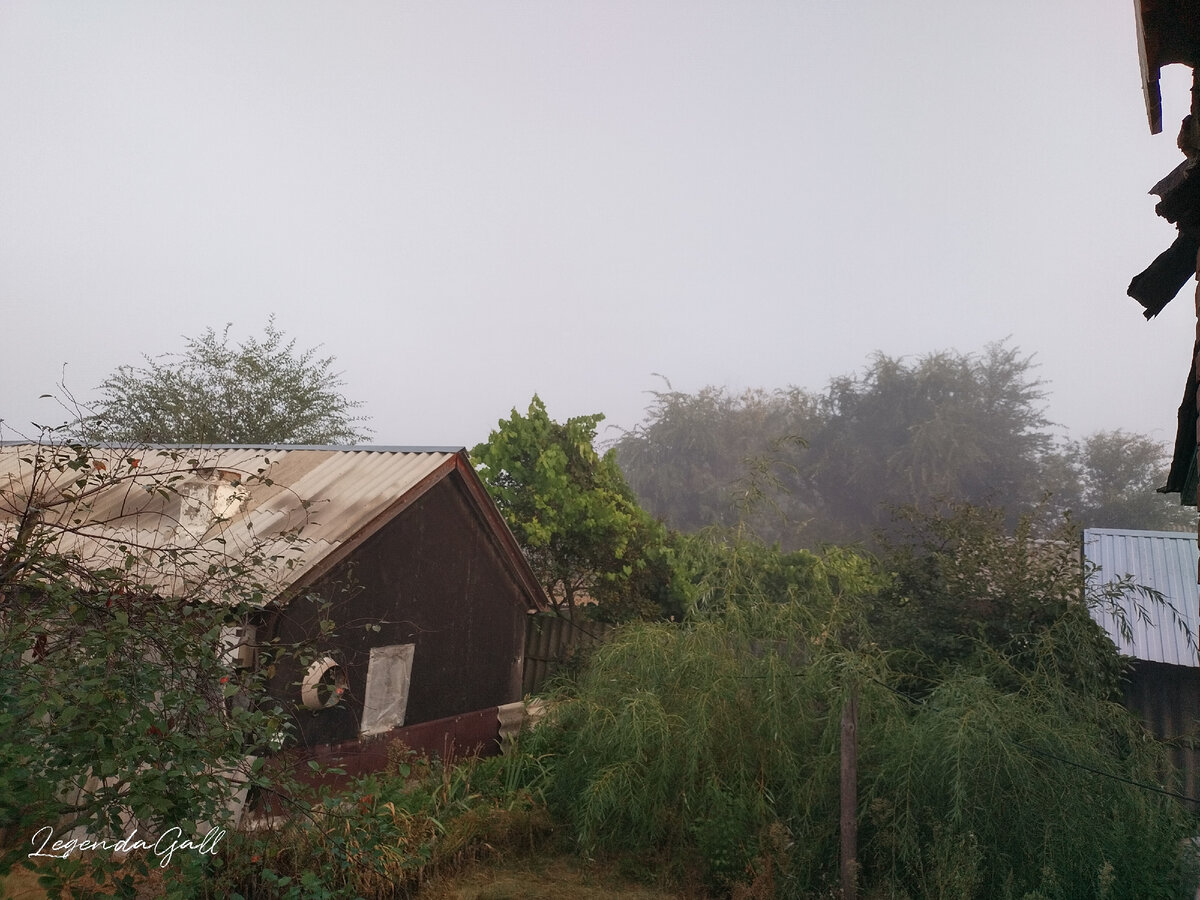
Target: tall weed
{"x":981,"y":792}
{"x":701,"y":742}
{"x":381,"y":836}
{"x":714,"y":744}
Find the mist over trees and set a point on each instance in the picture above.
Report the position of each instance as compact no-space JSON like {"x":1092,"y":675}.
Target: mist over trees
{"x":1110,"y":479}
{"x":703,"y":739}
{"x":805,"y":468}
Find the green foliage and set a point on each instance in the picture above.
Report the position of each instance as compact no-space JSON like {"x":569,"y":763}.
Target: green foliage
{"x":721,"y":569}
{"x":712,"y":745}
{"x":257,"y":392}
{"x":712,"y":458}
{"x":118,"y":708}
{"x":1110,"y":480}
{"x":948,"y":425}
{"x":698,"y":744}
{"x":381,"y":835}
{"x":990,"y":629}
{"x":575,"y":517}
{"x":986,"y":791}
{"x":964,"y":587}
{"x":805,"y":469}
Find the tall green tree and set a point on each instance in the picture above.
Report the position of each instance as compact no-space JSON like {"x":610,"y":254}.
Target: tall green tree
{"x":583,"y":532}
{"x":805,"y":469}
{"x":259,"y":391}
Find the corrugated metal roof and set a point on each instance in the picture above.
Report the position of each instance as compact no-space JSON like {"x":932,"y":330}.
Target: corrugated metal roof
{"x":1165,"y":561}
{"x":267,"y":495}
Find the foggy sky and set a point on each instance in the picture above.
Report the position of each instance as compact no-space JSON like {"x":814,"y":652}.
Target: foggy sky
{"x":466,"y":203}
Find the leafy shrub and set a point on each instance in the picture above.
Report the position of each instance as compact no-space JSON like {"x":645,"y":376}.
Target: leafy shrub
{"x":963,"y":585}
{"x":981,"y":791}
{"x":697,"y":743}
{"x":380,"y":835}
{"x":120,"y":709}
{"x":713,"y":746}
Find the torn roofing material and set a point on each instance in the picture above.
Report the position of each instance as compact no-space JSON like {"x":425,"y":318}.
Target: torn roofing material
{"x":1179,"y":203}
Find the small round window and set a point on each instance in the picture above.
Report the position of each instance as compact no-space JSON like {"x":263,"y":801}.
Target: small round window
{"x":323,"y":684}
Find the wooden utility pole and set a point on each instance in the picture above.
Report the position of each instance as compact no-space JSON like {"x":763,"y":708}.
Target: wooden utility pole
{"x":849,"y":829}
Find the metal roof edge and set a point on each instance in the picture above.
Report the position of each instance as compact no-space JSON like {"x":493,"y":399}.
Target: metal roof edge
{"x":339,"y":448}
{"x":1137,"y":532}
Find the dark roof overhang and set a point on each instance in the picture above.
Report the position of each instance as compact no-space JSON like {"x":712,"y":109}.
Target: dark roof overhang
{"x":1168,"y":31}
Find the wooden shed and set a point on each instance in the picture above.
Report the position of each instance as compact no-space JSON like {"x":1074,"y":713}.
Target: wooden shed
{"x":401,"y":550}
{"x":426,"y":586}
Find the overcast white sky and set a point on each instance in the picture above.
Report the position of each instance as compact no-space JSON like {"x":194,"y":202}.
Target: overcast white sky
{"x":466,"y":203}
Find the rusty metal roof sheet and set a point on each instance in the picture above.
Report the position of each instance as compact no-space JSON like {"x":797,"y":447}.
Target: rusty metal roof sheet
{"x":1165,"y":561}
{"x":296,"y":507}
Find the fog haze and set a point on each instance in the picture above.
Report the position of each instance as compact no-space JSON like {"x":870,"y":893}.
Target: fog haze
{"x":466,"y":203}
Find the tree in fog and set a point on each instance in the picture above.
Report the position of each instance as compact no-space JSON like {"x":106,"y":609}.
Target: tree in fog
{"x":944,"y":427}
{"x":1110,"y":480}
{"x":716,"y":458}
{"x":805,"y":469}
{"x":257,"y":392}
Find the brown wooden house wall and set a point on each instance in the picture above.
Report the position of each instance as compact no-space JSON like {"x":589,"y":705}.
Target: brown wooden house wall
{"x":434,"y":577}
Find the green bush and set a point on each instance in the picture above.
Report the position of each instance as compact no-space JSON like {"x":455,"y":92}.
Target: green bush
{"x":712,"y":747}
{"x":695,"y":743}
{"x":979,"y":791}
{"x":380,"y":835}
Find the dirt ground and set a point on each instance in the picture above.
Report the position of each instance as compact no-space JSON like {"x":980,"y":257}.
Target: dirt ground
{"x":20,"y":884}
{"x":526,"y":878}
{"x":540,"y":878}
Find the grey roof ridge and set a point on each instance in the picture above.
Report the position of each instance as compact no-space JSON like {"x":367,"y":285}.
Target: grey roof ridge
{"x":346,"y":448}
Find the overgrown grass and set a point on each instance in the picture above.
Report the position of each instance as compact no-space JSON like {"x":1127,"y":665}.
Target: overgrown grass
{"x":383,"y":835}
{"x":708,"y":749}
{"x":707,"y":753}
{"x":712,"y":747}
{"x":379,"y":836}
{"x":981,"y":792}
